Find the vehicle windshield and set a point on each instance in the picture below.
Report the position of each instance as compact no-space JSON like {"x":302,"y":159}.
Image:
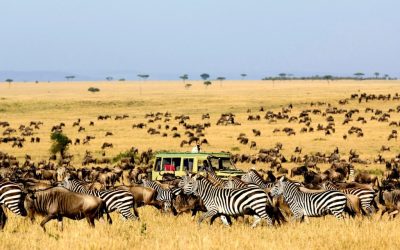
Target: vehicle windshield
{"x":221,"y":163}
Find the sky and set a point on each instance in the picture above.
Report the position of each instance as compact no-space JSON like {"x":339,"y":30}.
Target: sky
{"x":165,"y":39}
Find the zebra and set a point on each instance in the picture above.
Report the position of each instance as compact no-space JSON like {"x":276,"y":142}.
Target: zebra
{"x":220,"y":201}
{"x":235,"y":182}
{"x":304,"y":204}
{"x":351,"y":172}
{"x":116,"y":200}
{"x":215,"y":179}
{"x":365,"y":195}
{"x":164,"y":195}
{"x":11,"y":197}
{"x":254,"y":177}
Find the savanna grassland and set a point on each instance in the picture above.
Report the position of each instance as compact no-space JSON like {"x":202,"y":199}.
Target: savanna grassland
{"x":53,"y":103}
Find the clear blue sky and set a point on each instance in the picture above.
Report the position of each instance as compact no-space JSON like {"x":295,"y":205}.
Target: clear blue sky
{"x":167,"y":38}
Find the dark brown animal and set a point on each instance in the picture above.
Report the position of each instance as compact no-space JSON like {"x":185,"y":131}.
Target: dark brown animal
{"x":58,"y":202}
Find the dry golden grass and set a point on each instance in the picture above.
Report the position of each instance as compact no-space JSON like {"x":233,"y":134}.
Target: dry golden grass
{"x":53,"y":103}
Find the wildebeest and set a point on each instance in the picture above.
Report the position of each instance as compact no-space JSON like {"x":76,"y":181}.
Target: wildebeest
{"x":58,"y":202}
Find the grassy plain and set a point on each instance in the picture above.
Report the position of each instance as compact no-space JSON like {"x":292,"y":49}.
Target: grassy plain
{"x":53,"y":103}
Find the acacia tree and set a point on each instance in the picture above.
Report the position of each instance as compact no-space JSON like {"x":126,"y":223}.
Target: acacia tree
{"x":376,"y":75}
{"x":243,"y":75}
{"x":184,"y":78}
{"x":60,"y":143}
{"x":109,"y":78}
{"x":328,"y":77}
{"x":143,"y":76}
{"x":70,"y":77}
{"x":359,"y":75}
{"x":9,"y":81}
{"x":282,"y":75}
{"x":207,"y":83}
{"x":205,"y":76}
{"x":220,"y":79}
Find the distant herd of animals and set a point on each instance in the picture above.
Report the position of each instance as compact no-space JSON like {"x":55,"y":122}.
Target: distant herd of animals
{"x":55,"y":189}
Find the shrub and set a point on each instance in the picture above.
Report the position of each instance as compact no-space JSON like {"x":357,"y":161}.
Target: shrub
{"x":59,"y":143}
{"x":235,"y":149}
{"x":122,"y":155}
{"x":93,"y":89}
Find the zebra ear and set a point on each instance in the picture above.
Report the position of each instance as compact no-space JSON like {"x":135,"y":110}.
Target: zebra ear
{"x":282,"y":179}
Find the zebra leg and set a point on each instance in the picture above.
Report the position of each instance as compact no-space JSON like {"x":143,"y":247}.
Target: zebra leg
{"x":206,"y":215}
{"x":338,"y":215}
{"x":225,"y":219}
{"x":257,"y":220}
{"x":126,"y":213}
{"x":306,"y":219}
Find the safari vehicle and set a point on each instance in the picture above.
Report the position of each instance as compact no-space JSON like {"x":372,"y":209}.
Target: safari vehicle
{"x":178,"y":164}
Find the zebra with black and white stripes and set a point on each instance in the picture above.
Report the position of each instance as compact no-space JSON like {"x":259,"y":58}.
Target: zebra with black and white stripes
{"x":164,"y":195}
{"x":252,"y":176}
{"x":365,"y":195}
{"x":305,"y":205}
{"x":116,"y":200}
{"x":230,"y":202}
{"x":11,"y":197}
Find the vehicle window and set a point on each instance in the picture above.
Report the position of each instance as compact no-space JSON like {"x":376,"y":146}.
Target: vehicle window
{"x":158,"y":164}
{"x":221,"y":163}
{"x":166,"y":164}
{"x":176,"y":162}
{"x":203,"y":165}
{"x":188,"y":164}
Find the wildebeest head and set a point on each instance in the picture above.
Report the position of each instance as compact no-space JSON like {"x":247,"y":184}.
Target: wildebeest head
{"x":29,"y":197}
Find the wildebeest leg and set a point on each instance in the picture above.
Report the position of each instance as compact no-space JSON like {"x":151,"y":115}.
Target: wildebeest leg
{"x":384,"y":211}
{"x":90,"y":220}
{"x":45,"y":220}
{"x":60,"y":223}
{"x":375,"y":205}
{"x":109,"y":220}
{"x":174,"y":212}
{"x":3,"y":218}
{"x":393,"y":214}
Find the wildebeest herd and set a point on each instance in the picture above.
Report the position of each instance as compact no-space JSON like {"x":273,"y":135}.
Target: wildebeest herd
{"x":55,"y":188}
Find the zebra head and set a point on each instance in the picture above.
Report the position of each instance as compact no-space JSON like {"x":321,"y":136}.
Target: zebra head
{"x":278,"y":188}
{"x":66,"y":183}
{"x":246,"y":178}
{"x":190,"y":185}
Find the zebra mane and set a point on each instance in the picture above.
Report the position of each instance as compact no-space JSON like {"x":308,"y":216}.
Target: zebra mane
{"x":255,"y":172}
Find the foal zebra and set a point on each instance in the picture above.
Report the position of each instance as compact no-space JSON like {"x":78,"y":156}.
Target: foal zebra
{"x":11,"y":198}
{"x":365,"y":195}
{"x":220,"y":201}
{"x":310,"y":204}
{"x":116,"y":200}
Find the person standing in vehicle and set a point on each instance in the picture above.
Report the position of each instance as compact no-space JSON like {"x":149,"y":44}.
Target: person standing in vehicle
{"x":196,"y":149}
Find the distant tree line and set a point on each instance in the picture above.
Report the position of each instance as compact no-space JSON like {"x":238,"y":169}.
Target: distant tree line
{"x":356,"y":76}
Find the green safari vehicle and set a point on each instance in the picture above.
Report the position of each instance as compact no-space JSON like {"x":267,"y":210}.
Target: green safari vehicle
{"x":179,"y":163}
